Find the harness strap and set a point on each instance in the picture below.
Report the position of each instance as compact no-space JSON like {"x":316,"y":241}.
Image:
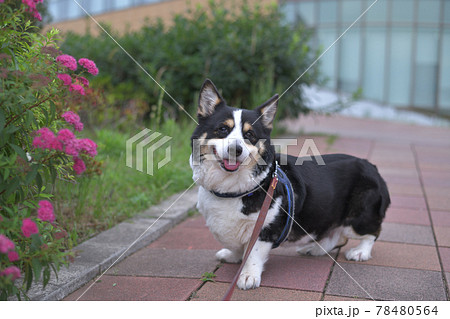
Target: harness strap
{"x":282,"y":177}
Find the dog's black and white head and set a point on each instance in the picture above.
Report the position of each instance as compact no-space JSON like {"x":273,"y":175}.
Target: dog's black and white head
{"x":231,"y":150}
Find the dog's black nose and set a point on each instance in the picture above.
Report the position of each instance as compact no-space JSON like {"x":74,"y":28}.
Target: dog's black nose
{"x":234,"y":150}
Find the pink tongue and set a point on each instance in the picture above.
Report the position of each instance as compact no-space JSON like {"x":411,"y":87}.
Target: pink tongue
{"x":231,"y":167}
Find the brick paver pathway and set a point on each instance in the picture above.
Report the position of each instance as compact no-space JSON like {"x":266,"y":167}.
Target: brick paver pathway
{"x":410,"y":260}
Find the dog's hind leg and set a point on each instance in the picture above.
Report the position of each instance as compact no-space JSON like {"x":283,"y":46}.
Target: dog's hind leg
{"x":324,"y":246}
{"x":229,"y":256}
{"x":362,"y":252}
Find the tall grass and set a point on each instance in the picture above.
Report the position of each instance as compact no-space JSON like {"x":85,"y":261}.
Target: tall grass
{"x":98,"y":202}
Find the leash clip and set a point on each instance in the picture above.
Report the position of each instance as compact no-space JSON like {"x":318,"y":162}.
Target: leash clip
{"x":275,"y":176}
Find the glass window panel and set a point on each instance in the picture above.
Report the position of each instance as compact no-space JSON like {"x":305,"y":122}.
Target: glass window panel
{"x":426,"y":67}
{"x":444,"y":80}
{"x":307,"y":12}
{"x":97,"y":7}
{"x":378,"y":12}
{"x":54,"y":8}
{"x":429,"y":11}
{"x":349,"y":61}
{"x":400,"y":66}
{"x":123,"y":4}
{"x":290,"y":11}
{"x":328,"y":11}
{"x":326,"y":36}
{"x":374,"y":59}
{"x":71,"y":10}
{"x":351,"y":10}
{"x":447,"y":12}
{"x":402,"y":11}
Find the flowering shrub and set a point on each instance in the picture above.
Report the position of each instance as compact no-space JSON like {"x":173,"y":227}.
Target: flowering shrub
{"x":37,"y":146}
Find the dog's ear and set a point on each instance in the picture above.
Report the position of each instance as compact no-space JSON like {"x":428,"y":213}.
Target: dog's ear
{"x":209,"y":99}
{"x":267,"y":111}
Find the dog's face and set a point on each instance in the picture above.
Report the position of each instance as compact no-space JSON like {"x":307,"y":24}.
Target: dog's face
{"x":231,"y":149}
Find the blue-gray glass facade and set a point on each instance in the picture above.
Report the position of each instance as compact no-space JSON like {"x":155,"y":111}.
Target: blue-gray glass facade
{"x":398,"y":52}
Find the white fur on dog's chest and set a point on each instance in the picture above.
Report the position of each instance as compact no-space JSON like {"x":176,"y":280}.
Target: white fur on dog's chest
{"x":226,"y":221}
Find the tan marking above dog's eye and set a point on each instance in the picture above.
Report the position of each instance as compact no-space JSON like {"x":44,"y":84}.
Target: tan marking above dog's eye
{"x":247,"y":127}
{"x":229,"y":123}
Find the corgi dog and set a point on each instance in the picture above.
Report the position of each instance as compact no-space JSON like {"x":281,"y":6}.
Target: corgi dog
{"x":317,"y":206}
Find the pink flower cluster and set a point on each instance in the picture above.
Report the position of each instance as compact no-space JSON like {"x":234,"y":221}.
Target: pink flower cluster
{"x":74,"y":119}
{"x":68,"y":61}
{"x":46,"y":139}
{"x":81,"y":82}
{"x":67,"y":142}
{"x":7,"y":247}
{"x":11,"y":270}
{"x":6,"y":244}
{"x":32,"y":7}
{"x":45,"y":211}
{"x":29,"y":227}
{"x":89,"y":65}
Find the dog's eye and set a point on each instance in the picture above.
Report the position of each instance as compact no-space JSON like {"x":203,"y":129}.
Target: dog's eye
{"x":250,"y":135}
{"x":223,"y":131}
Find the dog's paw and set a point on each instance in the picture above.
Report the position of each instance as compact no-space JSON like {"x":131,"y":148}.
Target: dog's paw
{"x":358,"y":254}
{"x":311,"y":249}
{"x":228,"y":256}
{"x":248,"y":281}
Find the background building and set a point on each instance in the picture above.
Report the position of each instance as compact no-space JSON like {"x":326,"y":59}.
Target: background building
{"x":398,"y":53}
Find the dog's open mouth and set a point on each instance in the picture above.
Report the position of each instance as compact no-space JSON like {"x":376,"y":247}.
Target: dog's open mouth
{"x":227,"y":164}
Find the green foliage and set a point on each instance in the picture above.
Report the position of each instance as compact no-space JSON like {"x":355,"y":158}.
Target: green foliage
{"x":249,"y":53}
{"x":31,"y":98}
{"x":208,"y":276}
{"x":96,"y":203}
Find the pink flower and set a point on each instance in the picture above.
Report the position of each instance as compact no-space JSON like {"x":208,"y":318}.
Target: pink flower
{"x":78,"y":88}
{"x":45,"y":211}
{"x":11,"y":271}
{"x":46,"y":139}
{"x":83,"y":81}
{"x":67,"y":61}
{"x":13,"y":256}
{"x":68,"y":140}
{"x":89,"y":65}
{"x":78,"y":165}
{"x":6,"y":244}
{"x":29,"y":227}
{"x":32,"y":8}
{"x":66,"y":78}
{"x":74,"y":119}
{"x":88,"y":146}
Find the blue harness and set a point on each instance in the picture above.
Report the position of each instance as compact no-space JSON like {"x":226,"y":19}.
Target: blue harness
{"x":283,"y":179}
{"x":291,"y":206}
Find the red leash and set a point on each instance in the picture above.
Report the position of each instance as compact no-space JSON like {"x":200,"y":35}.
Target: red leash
{"x":258,"y":226}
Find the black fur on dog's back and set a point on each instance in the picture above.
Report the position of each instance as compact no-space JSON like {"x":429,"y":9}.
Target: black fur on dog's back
{"x":346,"y":191}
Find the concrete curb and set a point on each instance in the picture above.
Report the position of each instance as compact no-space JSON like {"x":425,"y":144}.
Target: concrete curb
{"x":95,"y":255}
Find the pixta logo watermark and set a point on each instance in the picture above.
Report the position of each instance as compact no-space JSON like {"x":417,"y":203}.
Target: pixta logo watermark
{"x":242,"y":150}
{"x":144,"y":151}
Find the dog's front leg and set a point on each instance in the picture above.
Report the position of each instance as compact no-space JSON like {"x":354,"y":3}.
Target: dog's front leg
{"x":251,"y":273}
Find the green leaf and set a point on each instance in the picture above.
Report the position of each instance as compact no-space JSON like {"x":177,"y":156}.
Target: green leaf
{"x":19,"y":151}
{"x":37,"y":269}
{"x":28,"y":277}
{"x":31,"y":174}
{"x":46,"y":276}
{"x":12,"y":186}
{"x":2,"y":120}
{"x":39,"y":181}
{"x":36,"y":241}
